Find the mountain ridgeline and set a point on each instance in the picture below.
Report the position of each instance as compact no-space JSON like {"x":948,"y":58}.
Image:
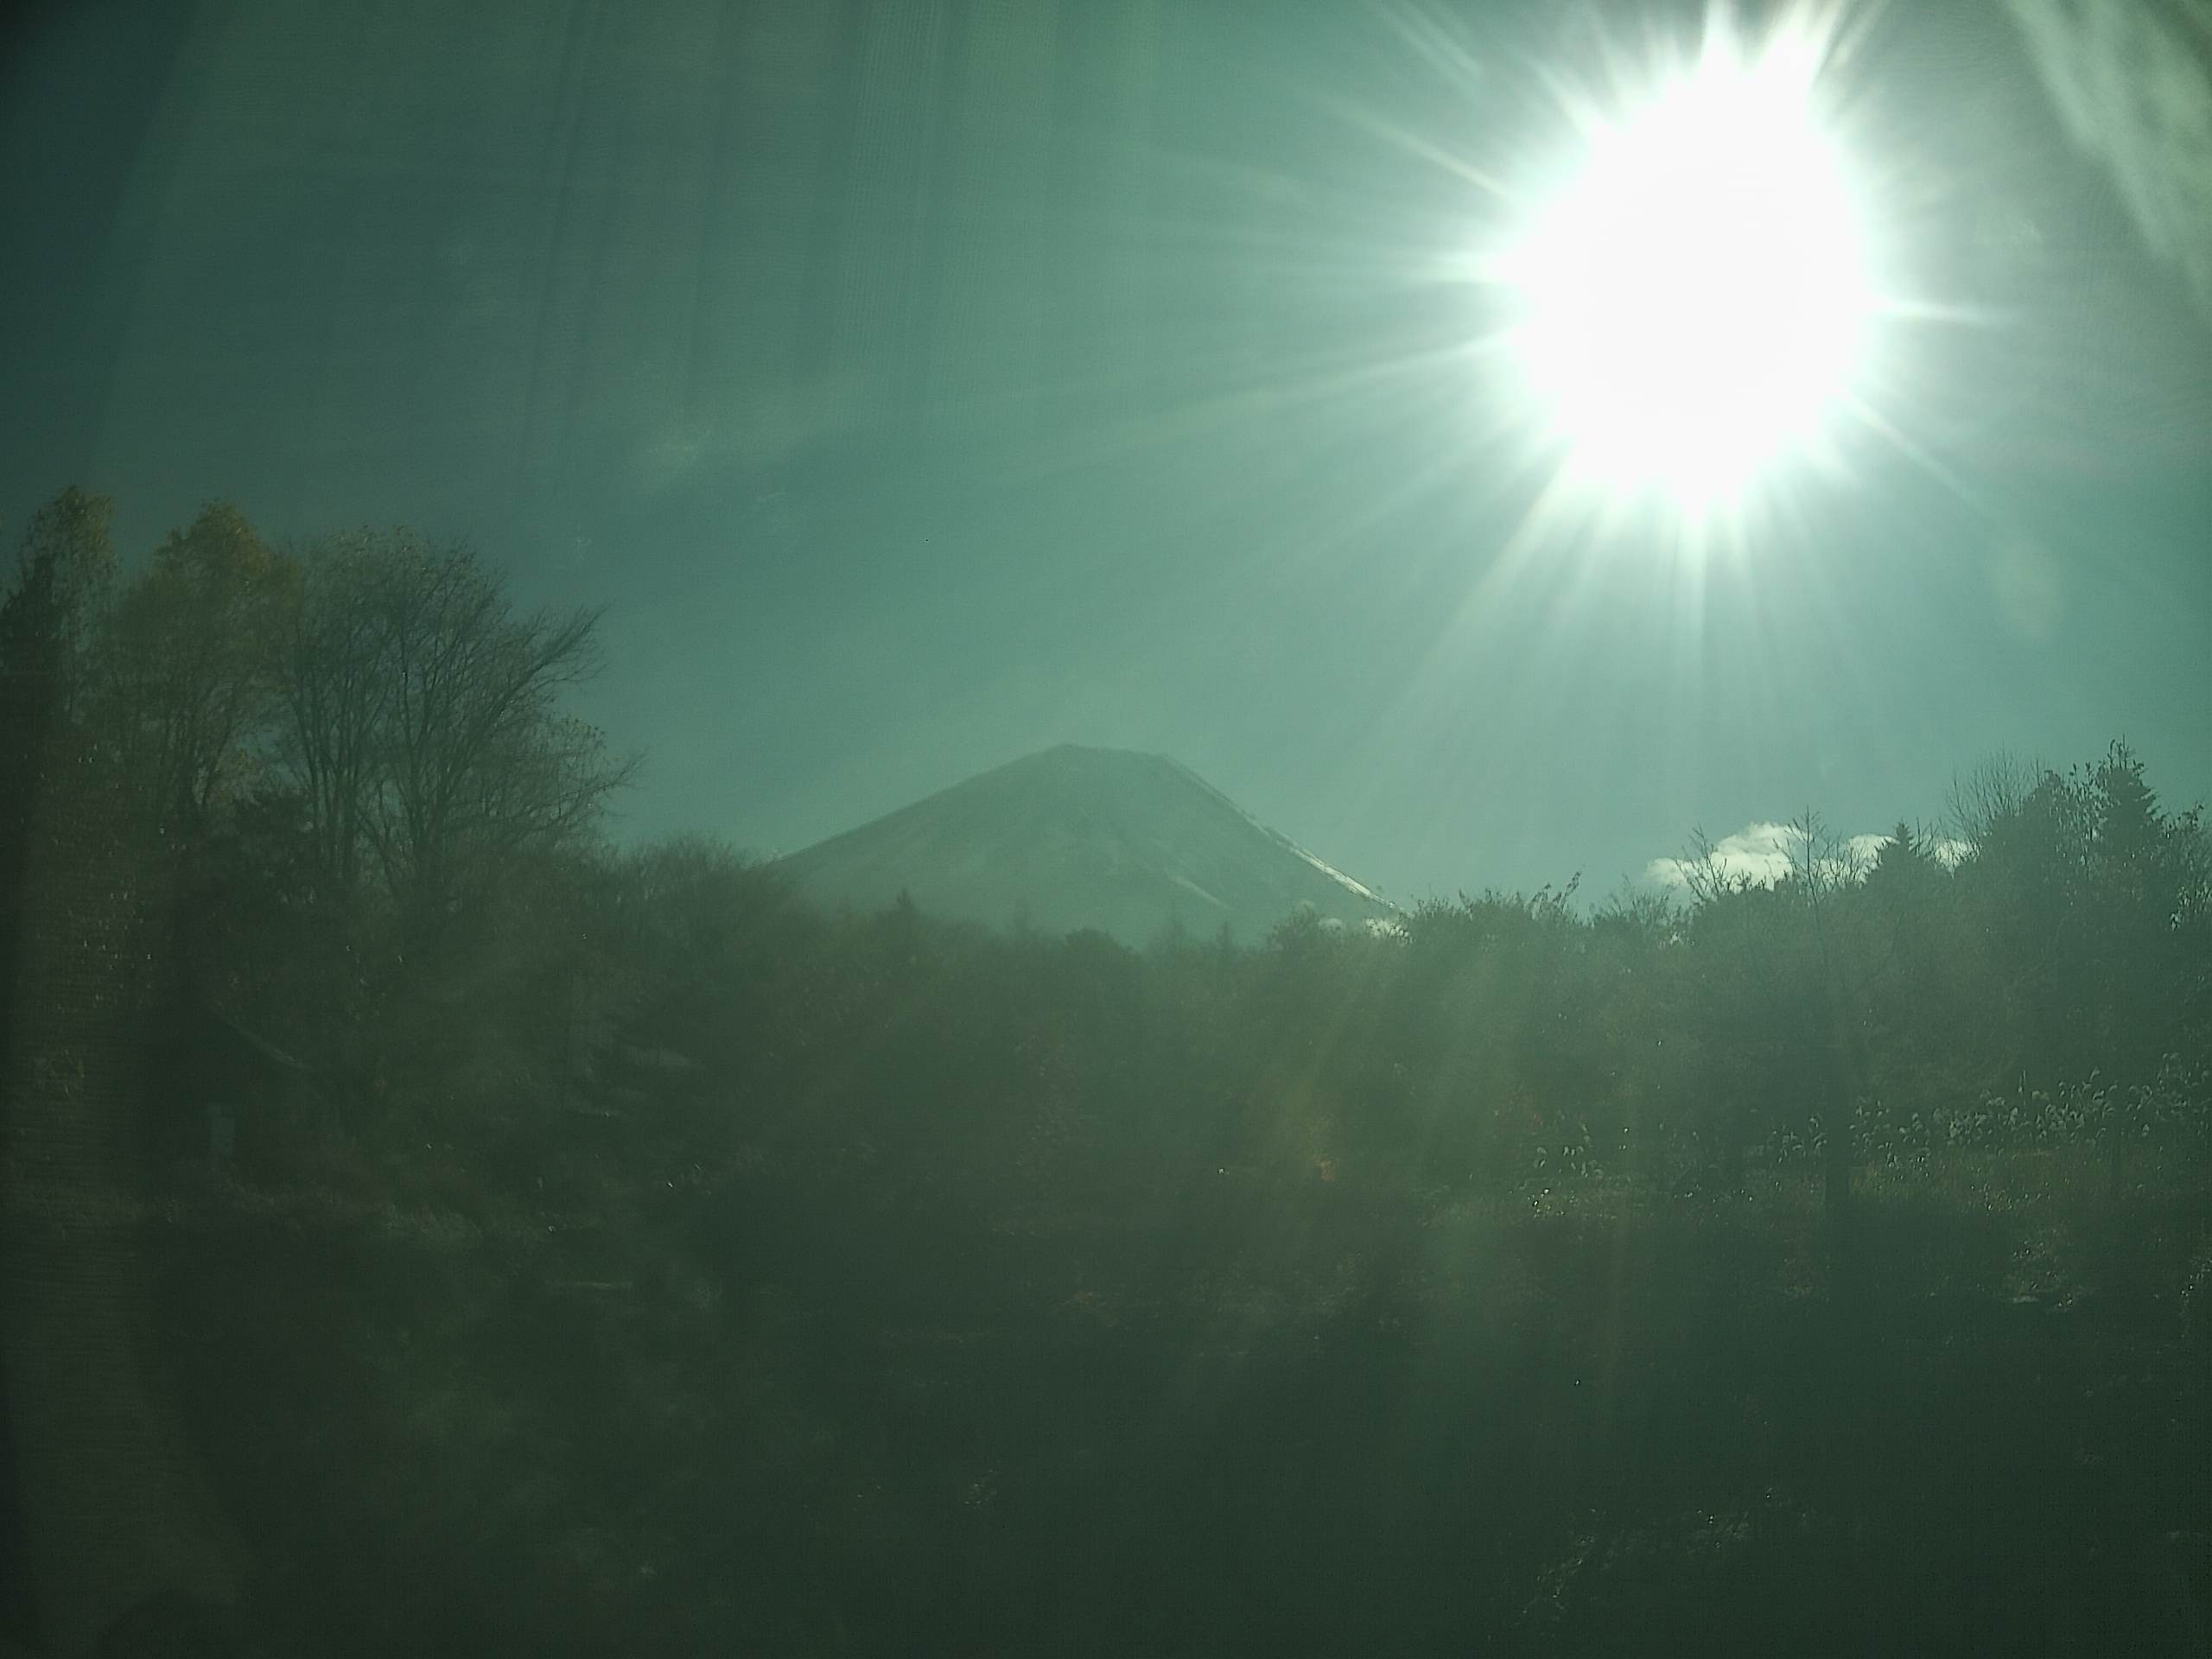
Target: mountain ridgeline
{"x":1130,"y":844}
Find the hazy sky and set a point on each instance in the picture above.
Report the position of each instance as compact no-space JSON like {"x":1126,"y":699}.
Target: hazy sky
{"x":926,"y":384}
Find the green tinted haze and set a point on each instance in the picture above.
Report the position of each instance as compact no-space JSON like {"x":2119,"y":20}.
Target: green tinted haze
{"x":926,"y":385}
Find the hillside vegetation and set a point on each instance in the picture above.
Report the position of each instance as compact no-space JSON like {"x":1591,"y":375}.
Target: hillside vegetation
{"x":1821,"y":1265}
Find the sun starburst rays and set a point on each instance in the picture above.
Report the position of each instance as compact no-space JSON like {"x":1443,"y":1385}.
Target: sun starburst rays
{"x":1692,"y":306}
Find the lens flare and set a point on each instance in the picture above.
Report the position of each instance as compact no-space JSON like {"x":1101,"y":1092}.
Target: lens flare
{"x":1692,"y":307}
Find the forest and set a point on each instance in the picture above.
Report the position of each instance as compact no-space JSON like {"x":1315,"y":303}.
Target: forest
{"x":635,"y":1258}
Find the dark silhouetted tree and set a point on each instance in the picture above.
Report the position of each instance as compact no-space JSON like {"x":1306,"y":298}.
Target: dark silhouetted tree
{"x":424,"y":725}
{"x":192,"y":663}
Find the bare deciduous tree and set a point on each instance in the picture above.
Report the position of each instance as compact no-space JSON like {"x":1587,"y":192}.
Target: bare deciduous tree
{"x":334,"y":692}
{"x":1992,"y":794}
{"x":427,"y":727}
{"x":193,"y":661}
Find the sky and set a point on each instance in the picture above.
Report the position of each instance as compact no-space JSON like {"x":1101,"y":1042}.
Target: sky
{"x":923,"y":384}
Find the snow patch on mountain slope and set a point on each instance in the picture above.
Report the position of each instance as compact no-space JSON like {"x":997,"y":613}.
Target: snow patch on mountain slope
{"x":1128,"y":842}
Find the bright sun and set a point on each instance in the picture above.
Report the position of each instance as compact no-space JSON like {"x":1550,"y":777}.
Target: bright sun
{"x":1694,"y":302}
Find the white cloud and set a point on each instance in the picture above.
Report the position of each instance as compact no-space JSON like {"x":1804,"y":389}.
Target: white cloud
{"x":1860,"y":851}
{"x":1762,"y":853}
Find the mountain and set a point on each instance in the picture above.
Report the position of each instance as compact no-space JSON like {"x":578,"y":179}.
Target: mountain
{"x":1076,"y":837}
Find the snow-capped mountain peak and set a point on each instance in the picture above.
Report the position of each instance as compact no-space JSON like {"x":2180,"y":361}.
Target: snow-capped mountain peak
{"x":1073,"y":838}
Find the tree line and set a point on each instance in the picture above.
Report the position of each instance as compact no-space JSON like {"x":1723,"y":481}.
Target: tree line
{"x":365,"y":819}
{"x":309,"y":754}
{"x":695,"y":1268}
